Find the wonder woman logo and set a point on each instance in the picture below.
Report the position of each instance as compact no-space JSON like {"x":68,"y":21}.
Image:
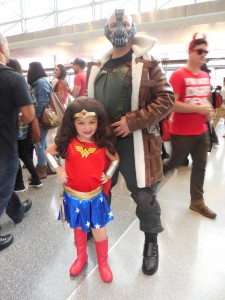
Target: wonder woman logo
{"x":85,"y":152}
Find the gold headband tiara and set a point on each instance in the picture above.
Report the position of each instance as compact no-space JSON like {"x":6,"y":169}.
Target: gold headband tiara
{"x":84,"y":114}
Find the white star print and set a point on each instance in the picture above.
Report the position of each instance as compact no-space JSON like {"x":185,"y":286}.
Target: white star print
{"x":88,"y":224}
{"x":97,"y":226}
{"x":77,"y":210}
{"x":110,"y":214}
{"x":101,"y":199}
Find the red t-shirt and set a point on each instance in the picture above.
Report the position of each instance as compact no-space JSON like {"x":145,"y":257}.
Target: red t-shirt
{"x":80,"y":80}
{"x":84,"y":165}
{"x":193,"y":89}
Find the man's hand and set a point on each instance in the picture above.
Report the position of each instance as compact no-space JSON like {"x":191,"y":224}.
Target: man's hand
{"x":205,"y":109}
{"x":120,"y":128}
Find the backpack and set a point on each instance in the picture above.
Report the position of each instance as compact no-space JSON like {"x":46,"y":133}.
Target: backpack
{"x":216,"y":99}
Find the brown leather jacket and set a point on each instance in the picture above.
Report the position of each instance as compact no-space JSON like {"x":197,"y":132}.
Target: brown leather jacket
{"x":156,"y":100}
{"x":152,"y":99}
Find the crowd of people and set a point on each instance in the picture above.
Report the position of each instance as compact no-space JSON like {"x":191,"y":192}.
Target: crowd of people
{"x":113,"y":129}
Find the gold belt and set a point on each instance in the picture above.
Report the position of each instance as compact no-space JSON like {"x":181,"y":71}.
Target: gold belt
{"x":82,"y":195}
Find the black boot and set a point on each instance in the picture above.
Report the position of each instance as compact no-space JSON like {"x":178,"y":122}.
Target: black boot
{"x":150,"y":254}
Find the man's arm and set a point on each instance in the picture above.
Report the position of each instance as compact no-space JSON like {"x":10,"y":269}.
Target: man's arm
{"x":75,"y":91}
{"x":28,"y":113}
{"x":182,"y":107}
{"x":158,"y":100}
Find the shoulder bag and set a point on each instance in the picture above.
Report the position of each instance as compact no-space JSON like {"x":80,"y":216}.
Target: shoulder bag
{"x":53,"y":112}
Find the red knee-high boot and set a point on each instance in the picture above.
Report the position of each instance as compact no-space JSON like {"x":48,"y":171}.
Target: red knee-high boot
{"x":80,"y":239}
{"x":102,"y":254}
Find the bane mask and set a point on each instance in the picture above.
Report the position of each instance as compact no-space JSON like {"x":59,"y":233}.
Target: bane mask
{"x":120,"y":37}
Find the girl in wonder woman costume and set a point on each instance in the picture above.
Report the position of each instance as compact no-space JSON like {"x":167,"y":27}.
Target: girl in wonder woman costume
{"x":85,"y":141}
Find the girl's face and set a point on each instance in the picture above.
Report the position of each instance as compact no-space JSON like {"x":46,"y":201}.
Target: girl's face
{"x":86,"y":128}
{"x":57,"y":72}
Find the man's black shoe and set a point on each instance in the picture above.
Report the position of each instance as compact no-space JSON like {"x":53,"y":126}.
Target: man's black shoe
{"x":5,"y":241}
{"x":151,"y":258}
{"x":27,"y":205}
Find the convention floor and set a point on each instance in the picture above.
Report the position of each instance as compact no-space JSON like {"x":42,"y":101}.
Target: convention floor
{"x":191,"y":248}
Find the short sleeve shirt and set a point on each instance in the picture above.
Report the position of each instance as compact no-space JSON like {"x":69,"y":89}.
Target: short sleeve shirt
{"x":192,"y":89}
{"x":80,"y":80}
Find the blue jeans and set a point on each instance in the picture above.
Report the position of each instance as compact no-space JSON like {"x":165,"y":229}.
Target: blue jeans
{"x":41,"y":147}
{"x":8,"y":198}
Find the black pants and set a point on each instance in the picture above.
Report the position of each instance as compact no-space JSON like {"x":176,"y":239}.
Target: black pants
{"x":25,"y":156}
{"x":148,"y":209}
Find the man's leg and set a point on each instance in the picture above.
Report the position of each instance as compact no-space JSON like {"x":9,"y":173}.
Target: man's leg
{"x":148,"y":210}
{"x":8,"y":171}
{"x":180,"y":150}
{"x":199,"y":157}
{"x":8,"y":199}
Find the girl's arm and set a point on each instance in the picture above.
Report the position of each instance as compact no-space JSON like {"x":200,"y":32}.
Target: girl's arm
{"x":112,"y":167}
{"x":51,"y":153}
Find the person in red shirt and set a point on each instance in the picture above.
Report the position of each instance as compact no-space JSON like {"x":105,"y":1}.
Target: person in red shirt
{"x":189,"y":132}
{"x":79,"y":88}
{"x":61,"y":85}
{"x":86,"y":143}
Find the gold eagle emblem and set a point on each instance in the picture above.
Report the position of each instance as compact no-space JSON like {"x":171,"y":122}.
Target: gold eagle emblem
{"x":84,"y":151}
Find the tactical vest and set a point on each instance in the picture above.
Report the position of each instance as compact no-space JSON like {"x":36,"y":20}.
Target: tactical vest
{"x":113,"y":87}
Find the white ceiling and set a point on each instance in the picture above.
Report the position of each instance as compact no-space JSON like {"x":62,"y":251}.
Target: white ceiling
{"x":172,"y":27}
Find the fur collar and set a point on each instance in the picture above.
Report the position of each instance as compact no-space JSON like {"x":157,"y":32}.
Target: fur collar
{"x":141,"y":46}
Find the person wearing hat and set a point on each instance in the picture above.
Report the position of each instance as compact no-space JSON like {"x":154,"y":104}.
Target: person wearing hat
{"x":79,"y":88}
{"x":189,"y":132}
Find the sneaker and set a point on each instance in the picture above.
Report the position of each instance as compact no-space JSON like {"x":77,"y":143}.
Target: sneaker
{"x":35,"y":183}
{"x":215,"y":145}
{"x":19,"y":188}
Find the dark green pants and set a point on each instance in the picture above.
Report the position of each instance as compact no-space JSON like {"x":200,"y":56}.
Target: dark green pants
{"x":148,"y":209}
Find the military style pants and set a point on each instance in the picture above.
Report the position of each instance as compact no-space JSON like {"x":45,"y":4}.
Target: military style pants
{"x":148,"y":209}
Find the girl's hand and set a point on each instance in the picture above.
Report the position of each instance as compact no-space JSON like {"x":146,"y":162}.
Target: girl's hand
{"x":61,"y":174}
{"x":104,"y":178}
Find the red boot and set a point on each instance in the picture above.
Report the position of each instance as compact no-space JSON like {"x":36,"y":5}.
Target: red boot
{"x":102,"y":254}
{"x":80,"y":238}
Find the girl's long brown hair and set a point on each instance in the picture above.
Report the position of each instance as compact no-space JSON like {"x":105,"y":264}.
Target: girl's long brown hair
{"x":67,"y":131}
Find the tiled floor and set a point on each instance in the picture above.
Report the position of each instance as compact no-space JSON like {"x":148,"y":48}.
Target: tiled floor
{"x":192,"y":248}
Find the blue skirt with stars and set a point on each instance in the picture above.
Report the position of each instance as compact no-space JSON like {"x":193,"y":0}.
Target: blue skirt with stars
{"x":92,"y":213}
